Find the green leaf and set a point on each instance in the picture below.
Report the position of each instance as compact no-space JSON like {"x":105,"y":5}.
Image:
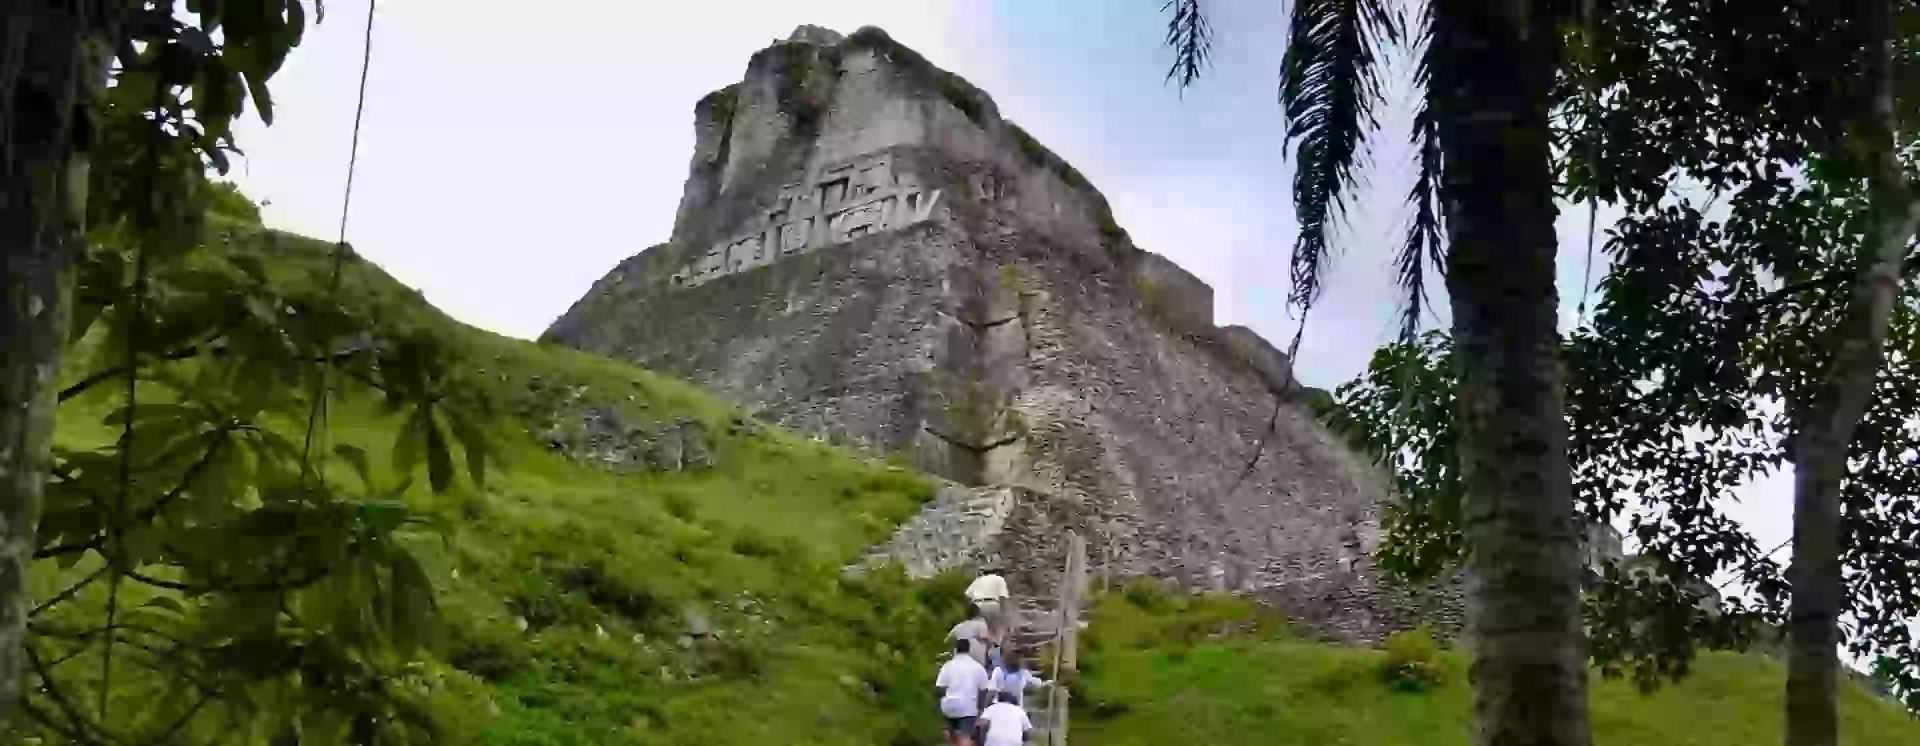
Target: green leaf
{"x":167,"y":602}
{"x":356,"y":457}
{"x":474,"y":443}
{"x":408,"y":443}
{"x":219,"y":159}
{"x":412,"y":598}
{"x":383,"y":517}
{"x":257,"y":87}
{"x":100,"y":278}
{"x":439,"y":457}
{"x":398,"y":489}
{"x":296,"y":22}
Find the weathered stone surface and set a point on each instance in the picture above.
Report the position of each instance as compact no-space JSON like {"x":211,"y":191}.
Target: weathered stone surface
{"x":866,"y":250}
{"x":1171,"y":292}
{"x":961,"y":527}
{"x":596,"y":434}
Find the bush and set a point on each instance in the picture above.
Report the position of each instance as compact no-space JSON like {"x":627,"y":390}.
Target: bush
{"x":680,"y":506}
{"x":752,"y":542}
{"x":625,"y":593}
{"x":1149,"y":594}
{"x":491,"y":654}
{"x":733,"y":656}
{"x":1412,"y":662}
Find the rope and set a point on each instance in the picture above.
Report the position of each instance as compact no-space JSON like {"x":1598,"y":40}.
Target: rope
{"x":1593,"y":159}
{"x":320,"y":388}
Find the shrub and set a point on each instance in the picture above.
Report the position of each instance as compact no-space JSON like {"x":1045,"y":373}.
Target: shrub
{"x":755,"y":543}
{"x":1412,"y":662}
{"x":733,"y":656}
{"x":623,"y":593}
{"x":680,"y":506}
{"x":1147,"y":593}
{"x":490,"y":654}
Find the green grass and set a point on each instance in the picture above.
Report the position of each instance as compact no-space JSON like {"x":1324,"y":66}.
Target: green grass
{"x":1159,"y":672}
{"x":604,"y":570}
{"x":566,"y":589}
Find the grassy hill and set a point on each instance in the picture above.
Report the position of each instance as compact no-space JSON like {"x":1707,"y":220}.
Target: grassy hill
{"x":1158,"y":670}
{"x":567,"y":588}
{"x":568,"y":591}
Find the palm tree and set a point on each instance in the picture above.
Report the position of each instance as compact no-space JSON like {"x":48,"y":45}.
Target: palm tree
{"x":1485,"y":182}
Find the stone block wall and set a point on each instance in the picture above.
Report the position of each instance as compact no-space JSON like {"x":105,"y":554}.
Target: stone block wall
{"x":867,"y":250}
{"x":1172,"y":293}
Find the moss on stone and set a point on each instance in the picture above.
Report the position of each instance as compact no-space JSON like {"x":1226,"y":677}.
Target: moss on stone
{"x":1110,"y":230}
{"x":875,"y":39}
{"x":1154,"y":301}
{"x":970,"y":417}
{"x":963,"y":95}
{"x":803,"y":75}
{"x":1017,"y":422}
{"x":1036,"y":153}
{"x":721,"y":103}
{"x":1012,"y":279}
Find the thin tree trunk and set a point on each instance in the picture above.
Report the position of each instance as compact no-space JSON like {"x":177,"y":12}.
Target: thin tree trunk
{"x":1813,"y":635}
{"x":1494,"y":64}
{"x":41,"y":74}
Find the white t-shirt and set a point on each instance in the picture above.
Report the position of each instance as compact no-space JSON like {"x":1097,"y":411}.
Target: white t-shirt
{"x":988,"y":586}
{"x":1007,"y":724}
{"x":962,"y":678}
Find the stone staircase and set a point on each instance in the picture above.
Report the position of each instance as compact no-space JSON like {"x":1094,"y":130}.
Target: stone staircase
{"x":1037,"y":637}
{"x":957,"y":528}
{"x":960,"y":527}
{"x":1035,"y":629}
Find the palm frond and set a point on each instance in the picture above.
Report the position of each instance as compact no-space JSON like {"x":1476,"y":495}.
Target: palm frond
{"x":1191,"y":39}
{"x":1423,"y":247}
{"x":1329,"y":89}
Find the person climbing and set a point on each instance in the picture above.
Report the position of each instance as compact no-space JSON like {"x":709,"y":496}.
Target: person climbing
{"x":961,"y":682}
{"x":989,"y":592}
{"x":976,"y":633}
{"x":1012,"y":677}
{"x":1006,"y":722}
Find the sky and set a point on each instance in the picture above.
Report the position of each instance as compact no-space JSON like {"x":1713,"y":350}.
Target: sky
{"x":511,"y":154}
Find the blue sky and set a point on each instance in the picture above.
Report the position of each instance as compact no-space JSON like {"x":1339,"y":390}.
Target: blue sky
{"x":514,"y":153}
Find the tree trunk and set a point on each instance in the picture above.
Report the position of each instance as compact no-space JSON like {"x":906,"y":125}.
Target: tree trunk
{"x":1494,"y":63}
{"x":41,"y":74}
{"x":1820,"y":463}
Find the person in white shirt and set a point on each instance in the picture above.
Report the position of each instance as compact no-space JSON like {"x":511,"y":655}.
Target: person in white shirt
{"x":1006,"y":723}
{"x":1013,"y":678}
{"x":960,"y":683}
{"x":989,"y":592}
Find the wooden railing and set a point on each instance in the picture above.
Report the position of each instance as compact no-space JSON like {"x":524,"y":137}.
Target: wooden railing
{"x":1066,"y":634}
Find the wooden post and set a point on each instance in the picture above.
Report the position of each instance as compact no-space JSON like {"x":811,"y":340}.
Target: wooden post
{"x":1076,"y":583}
{"x":1106,"y":566}
{"x":1073,"y":585}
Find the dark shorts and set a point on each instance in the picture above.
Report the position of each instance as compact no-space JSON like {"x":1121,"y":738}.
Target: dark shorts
{"x":961,"y":725}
